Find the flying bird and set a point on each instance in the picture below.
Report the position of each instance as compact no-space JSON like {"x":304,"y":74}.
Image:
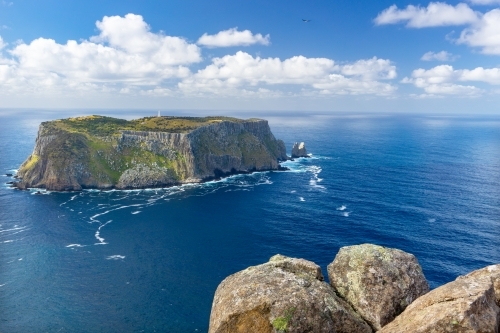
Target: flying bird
{"x":305,"y":21}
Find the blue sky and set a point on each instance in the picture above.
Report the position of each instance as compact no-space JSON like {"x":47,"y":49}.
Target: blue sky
{"x":400,"y":56}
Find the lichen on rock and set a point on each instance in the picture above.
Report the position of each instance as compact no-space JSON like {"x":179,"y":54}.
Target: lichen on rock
{"x":282,"y":295}
{"x":378,"y":282}
{"x":468,"y":304}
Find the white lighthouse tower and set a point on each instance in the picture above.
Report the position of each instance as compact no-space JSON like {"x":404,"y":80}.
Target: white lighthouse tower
{"x":159,"y":114}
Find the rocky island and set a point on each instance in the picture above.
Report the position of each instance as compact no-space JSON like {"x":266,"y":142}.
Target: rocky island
{"x":104,"y":153}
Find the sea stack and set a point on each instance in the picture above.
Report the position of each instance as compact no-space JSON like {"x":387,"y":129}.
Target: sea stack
{"x":299,"y":150}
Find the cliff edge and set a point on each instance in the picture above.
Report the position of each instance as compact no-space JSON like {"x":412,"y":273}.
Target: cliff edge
{"x":104,"y":152}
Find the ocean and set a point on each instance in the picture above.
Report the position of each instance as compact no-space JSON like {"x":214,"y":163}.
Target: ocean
{"x":151,"y":260}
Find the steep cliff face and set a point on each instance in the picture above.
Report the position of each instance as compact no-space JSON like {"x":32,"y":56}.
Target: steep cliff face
{"x":103,"y":152}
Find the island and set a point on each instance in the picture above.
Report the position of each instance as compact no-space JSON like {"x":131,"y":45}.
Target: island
{"x":98,"y":152}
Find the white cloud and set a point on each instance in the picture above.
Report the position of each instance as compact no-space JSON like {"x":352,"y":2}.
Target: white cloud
{"x":483,"y":29}
{"x":484,"y":2}
{"x":132,"y":35}
{"x":444,"y":79}
{"x":127,"y":59}
{"x":484,"y":34}
{"x":243,"y":71}
{"x":434,"y":15}
{"x":124,"y":53}
{"x":233,"y":37}
{"x":439,"y":56}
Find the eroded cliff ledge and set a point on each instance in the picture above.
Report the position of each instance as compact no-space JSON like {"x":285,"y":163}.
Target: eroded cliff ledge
{"x":103,"y":152}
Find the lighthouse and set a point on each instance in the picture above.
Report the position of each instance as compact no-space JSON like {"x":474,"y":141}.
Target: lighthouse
{"x":159,"y":114}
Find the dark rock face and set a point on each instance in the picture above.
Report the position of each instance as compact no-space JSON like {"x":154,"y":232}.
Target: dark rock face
{"x":299,"y":150}
{"x":378,"y":282}
{"x":283,"y":295}
{"x":468,"y":304}
{"x":68,"y":160}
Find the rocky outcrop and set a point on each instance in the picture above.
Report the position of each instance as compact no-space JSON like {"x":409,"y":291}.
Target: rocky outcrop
{"x":283,"y":295}
{"x":371,"y":285}
{"x":299,"y":150}
{"x":103,"y":152}
{"x":468,"y":304}
{"x":378,"y":282}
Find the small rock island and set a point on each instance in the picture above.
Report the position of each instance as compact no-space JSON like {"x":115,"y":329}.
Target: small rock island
{"x":105,"y":153}
{"x":299,"y":150}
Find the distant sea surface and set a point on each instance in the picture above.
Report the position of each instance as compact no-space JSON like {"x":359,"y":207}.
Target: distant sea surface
{"x":150,"y":260}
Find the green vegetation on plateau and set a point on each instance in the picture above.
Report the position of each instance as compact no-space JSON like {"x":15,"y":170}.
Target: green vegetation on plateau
{"x":106,"y":126}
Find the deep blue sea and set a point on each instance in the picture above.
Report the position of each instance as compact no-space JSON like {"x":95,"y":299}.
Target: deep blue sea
{"x":150,"y":260}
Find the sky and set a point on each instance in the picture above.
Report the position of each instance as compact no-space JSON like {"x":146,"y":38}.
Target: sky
{"x":283,"y":55}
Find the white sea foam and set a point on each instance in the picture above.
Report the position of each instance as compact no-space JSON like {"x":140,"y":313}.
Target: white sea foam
{"x":12,"y":229}
{"x":1,"y":285}
{"x":8,"y":241}
{"x":98,"y":234}
{"x":346,"y":214}
{"x":115,"y":257}
{"x":341,"y":208}
{"x":432,"y":220}
{"x":301,"y":199}
{"x":75,"y":245}
{"x":136,"y":212}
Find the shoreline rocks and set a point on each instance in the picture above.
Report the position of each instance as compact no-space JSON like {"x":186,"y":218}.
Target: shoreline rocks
{"x":372,"y":289}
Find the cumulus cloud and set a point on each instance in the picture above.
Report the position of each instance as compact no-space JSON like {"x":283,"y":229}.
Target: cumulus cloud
{"x":132,"y":35}
{"x":233,"y":37}
{"x":127,"y":58}
{"x":245,"y":71}
{"x":484,"y":33}
{"x":125,"y":52}
{"x":444,"y":80}
{"x":439,"y":56}
{"x":483,"y":29}
{"x":434,"y":15}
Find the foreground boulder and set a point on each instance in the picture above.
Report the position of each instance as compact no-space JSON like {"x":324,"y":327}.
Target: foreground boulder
{"x":468,"y":304}
{"x":378,"y":282}
{"x":282,"y":295}
{"x":299,"y":150}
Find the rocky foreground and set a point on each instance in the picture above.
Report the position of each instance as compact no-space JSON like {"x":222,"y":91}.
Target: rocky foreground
{"x":102,"y":152}
{"x":372,"y":289}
